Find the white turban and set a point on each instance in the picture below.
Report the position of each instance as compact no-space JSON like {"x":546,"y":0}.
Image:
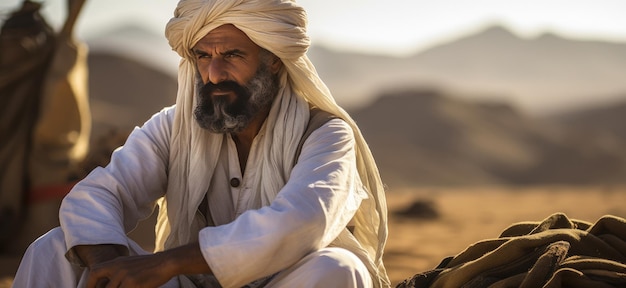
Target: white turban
{"x":278,"y":26}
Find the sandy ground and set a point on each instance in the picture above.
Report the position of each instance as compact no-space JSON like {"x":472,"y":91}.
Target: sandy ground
{"x":465,"y":217}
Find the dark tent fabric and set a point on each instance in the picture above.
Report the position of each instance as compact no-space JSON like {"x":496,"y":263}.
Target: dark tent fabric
{"x":45,"y":118}
{"x":26,"y":48}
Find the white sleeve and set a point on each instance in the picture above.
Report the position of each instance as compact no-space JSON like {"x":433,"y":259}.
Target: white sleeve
{"x":319,"y":199}
{"x":110,"y":201}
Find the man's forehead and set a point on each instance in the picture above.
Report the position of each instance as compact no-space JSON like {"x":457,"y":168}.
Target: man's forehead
{"x":226,"y":34}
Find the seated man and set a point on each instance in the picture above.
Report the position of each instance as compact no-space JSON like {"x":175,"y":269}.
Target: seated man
{"x":247,"y":194}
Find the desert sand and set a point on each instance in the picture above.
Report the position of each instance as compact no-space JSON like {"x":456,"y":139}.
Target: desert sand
{"x":467,"y":215}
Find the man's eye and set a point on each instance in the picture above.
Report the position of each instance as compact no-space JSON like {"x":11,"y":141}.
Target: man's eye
{"x":231,"y":55}
{"x":203,"y":56}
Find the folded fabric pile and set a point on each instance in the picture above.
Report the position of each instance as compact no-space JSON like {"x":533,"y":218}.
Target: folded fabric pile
{"x":557,"y":252}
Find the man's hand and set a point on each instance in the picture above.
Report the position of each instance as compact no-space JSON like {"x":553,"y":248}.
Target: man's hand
{"x":132,"y":271}
{"x":151,"y":270}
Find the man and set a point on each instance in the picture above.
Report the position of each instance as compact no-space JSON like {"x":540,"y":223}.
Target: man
{"x":234,"y":208}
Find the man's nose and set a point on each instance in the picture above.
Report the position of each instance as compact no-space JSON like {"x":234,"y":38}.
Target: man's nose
{"x":217,"y":70}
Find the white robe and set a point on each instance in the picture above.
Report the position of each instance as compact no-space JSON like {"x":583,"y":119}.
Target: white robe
{"x":248,"y":243}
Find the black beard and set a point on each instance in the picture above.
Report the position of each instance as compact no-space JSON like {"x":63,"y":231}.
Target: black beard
{"x":219,"y":115}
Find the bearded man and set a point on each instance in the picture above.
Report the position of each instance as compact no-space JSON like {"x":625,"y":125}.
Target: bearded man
{"x":250,"y":192}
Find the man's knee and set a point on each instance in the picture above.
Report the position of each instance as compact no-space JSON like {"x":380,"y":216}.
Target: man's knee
{"x":44,"y":263}
{"x":332,"y":264}
{"x":54,"y":240}
{"x":48,"y":247}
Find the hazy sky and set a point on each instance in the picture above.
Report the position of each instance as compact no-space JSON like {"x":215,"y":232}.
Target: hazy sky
{"x":385,"y":27}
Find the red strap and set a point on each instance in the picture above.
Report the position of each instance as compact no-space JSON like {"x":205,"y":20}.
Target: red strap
{"x":50,"y":192}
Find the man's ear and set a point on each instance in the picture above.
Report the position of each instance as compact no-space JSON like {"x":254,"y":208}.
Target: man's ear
{"x":276,"y":64}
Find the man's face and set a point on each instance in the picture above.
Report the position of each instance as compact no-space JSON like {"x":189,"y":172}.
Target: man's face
{"x":219,"y":113}
{"x":238,"y":80}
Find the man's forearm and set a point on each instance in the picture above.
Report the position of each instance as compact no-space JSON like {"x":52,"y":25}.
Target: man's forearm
{"x":187,"y":259}
{"x":94,"y":254}
{"x":151,"y":270}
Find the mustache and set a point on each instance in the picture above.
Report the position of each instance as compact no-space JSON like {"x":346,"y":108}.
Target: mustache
{"x":225,"y":86}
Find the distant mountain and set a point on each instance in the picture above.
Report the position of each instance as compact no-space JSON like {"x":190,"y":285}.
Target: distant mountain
{"x":546,"y":73}
{"x":608,"y":119}
{"x":124,"y":93}
{"x":539,"y":75}
{"x":136,"y":42}
{"x":426,"y":137}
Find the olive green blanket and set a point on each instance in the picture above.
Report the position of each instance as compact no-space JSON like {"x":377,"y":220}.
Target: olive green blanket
{"x":557,"y":252}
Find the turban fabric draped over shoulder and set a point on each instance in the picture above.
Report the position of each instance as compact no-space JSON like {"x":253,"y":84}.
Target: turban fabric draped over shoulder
{"x":278,"y":26}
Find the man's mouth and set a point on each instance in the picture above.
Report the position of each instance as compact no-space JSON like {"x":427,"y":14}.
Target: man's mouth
{"x":218,"y":93}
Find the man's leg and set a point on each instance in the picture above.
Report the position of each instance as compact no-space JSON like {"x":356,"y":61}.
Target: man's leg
{"x":328,"y":267}
{"x":44,"y":264}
